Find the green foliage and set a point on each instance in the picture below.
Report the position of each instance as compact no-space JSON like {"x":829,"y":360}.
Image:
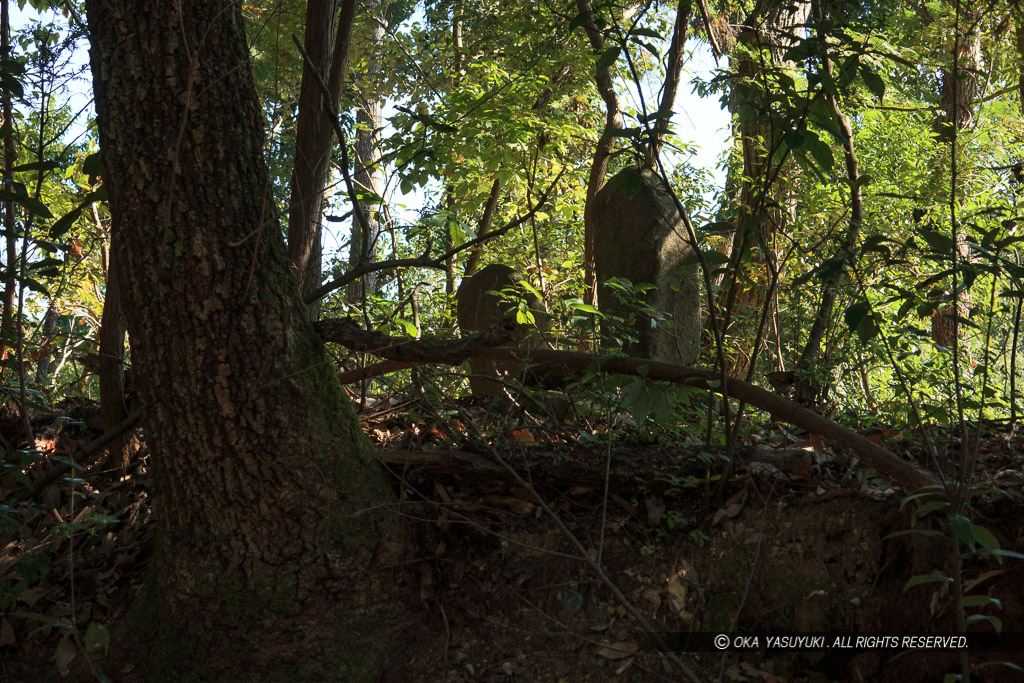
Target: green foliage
{"x":970,"y":541}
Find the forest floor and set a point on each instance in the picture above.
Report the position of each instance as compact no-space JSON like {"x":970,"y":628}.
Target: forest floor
{"x":798,"y":538}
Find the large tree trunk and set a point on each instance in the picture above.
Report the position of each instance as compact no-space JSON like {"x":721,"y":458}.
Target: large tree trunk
{"x":265,"y":486}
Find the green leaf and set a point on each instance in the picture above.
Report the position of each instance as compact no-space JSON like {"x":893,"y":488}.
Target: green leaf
{"x":97,"y":638}
{"x":831,"y":267}
{"x":963,"y":529}
{"x":409,"y":328}
{"x":437,"y":220}
{"x":926,"y":509}
{"x":457,"y":232}
{"x":979,"y":601}
{"x":822,"y":154}
{"x":608,"y":58}
{"x":583,"y":308}
{"x":531,"y":289}
{"x":35,"y":286}
{"x":996,"y":622}
{"x":13,"y":66}
{"x":928,"y":533}
{"x":97,"y":195}
{"x":868,"y":329}
{"x":716,"y":257}
{"x":655,"y":115}
{"x":641,"y":31}
{"x":624,"y":132}
{"x":984,"y":537}
{"x":794,"y":139}
{"x":524,"y":316}
{"x":863,"y":180}
{"x":65,"y":223}
{"x":580,"y":19}
{"x":13,"y":85}
{"x":37,"y":166}
{"x":942,"y":244}
{"x":921,"y":579}
{"x":65,"y":653}
{"x":93,"y":165}
{"x":927,"y":491}
{"x":856,"y":313}
{"x":874,"y":82}
{"x":1003,"y":553}
{"x":828,"y":83}
{"x":647,"y":46}
{"x":35,"y":616}
{"x":31,"y":204}
{"x":876,"y":243}
{"x":35,"y":206}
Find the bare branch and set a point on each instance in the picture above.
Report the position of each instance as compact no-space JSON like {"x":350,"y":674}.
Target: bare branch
{"x":425,"y":261}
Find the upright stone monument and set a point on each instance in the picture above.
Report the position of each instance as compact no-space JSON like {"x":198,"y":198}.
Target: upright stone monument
{"x":477,"y":310}
{"x":639,"y":236}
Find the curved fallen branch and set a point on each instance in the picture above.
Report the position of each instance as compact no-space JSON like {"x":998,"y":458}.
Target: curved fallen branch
{"x":402,"y":353}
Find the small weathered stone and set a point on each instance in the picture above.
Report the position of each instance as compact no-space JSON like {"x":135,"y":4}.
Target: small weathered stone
{"x":478,"y":310}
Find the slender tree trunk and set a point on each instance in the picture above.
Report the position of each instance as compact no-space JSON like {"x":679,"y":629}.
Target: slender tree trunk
{"x":1018,"y":31}
{"x":6,"y":317}
{"x":959,"y":91}
{"x":314,"y":137}
{"x":806,"y":391}
{"x":368,"y":175}
{"x":46,"y":344}
{"x":485,"y":227}
{"x":763,"y":196}
{"x":449,"y":198}
{"x":602,"y":153}
{"x":113,"y":409}
{"x":673,"y":74}
{"x":269,"y":500}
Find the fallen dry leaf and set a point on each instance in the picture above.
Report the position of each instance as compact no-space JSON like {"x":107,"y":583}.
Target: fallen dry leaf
{"x":619,"y":650}
{"x":521,"y":435}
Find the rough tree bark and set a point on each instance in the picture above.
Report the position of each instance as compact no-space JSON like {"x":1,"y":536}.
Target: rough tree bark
{"x":264,"y":483}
